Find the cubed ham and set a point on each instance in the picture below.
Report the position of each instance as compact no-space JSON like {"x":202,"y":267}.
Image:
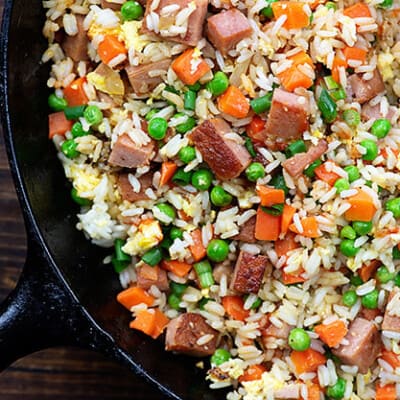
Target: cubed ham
{"x":76,"y":47}
{"x":111,"y":5}
{"x":288,"y":117}
{"x":364,"y":345}
{"x":144,"y":78}
{"x":369,"y":314}
{"x":361,"y":90}
{"x":248,"y":273}
{"x":126,"y":153}
{"x":299,"y":162}
{"x":227,"y":158}
{"x":167,"y":20}
{"x":126,"y":189}
{"x":184,"y":332}
{"x":247,"y":231}
{"x":279,"y":333}
{"x":148,"y":276}
{"x":391,"y":320}
{"x":227,"y":28}
{"x":374,"y":112}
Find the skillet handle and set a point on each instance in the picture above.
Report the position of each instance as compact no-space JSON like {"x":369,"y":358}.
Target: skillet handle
{"x":41,"y":312}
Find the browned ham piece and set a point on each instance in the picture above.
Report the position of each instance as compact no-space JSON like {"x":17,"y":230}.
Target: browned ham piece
{"x":183,"y":333}
{"x":391,"y":322}
{"x":148,"y":276}
{"x":364,"y":345}
{"x":374,"y":112}
{"x":247,"y":231}
{"x":299,"y":162}
{"x":126,"y":153}
{"x":126,"y":189}
{"x":225,"y":157}
{"x":195,"y":23}
{"x":75,"y":47}
{"x":227,"y":28}
{"x":361,"y":90}
{"x":279,"y":333}
{"x":110,"y":4}
{"x":141,"y":78}
{"x":288,"y":117}
{"x":248,"y":273}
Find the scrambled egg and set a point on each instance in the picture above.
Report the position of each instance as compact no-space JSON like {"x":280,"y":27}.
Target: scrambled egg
{"x":131,"y":36}
{"x":84,"y":181}
{"x":111,"y":84}
{"x":385,"y":61}
{"x":148,"y":235}
{"x":97,"y":29}
{"x":318,"y":134}
{"x":258,"y":387}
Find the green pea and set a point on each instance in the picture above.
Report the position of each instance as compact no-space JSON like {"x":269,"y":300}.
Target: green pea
{"x":278,"y":182}
{"x":352,"y":172}
{"x":220,"y":356}
{"x":371,"y":150}
{"x":347,"y":248}
{"x":352,"y":118}
{"x":255,"y":171}
{"x":296,"y":147}
{"x":356,"y":280}
{"x":381,"y":127}
{"x":393,"y":205}
{"x":69,"y":148}
{"x":349,"y":298}
{"x":299,"y":339}
{"x":157,"y":128}
{"x":337,"y":390}
{"x":131,"y":10}
{"x":176,"y":233}
{"x":397,"y":279}
{"x":220,"y":197}
{"x":348,"y":232}
{"x":181,"y":177}
{"x":383,"y":274}
{"x":341,"y":184}
{"x":362,"y":228}
{"x":370,"y":300}
{"x":153,"y":256}
{"x":218,"y":84}
{"x":57,"y":103}
{"x":79,"y":200}
{"x":396,"y":253}
{"x":261,"y":104}
{"x":309,"y":171}
{"x":77,"y":130}
{"x":93,"y":115}
{"x":151,"y":114}
{"x":217,"y":250}
{"x":202,"y":179}
{"x":187,"y":154}
{"x":327,"y":106}
{"x":184,"y":126}
{"x":386,"y":4}
{"x":167,"y":210}
{"x":189,"y":100}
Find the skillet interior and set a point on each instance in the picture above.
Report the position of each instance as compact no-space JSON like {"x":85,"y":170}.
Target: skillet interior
{"x":94,"y":284}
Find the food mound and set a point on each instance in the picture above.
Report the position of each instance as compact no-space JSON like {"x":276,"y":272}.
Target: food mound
{"x":241,"y":157}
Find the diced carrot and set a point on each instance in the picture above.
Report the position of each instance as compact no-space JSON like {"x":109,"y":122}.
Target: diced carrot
{"x":151,"y":322}
{"x":292,"y":79}
{"x":391,"y":358}
{"x":109,"y":48}
{"x":270,"y":196}
{"x":337,"y":63}
{"x":292,"y":278}
{"x":184,"y":216}
{"x":310,"y":227}
{"x":58,"y":124}
{"x":355,"y":53}
{"x":329,"y":177}
{"x":367,"y":270}
{"x":255,"y":128}
{"x":300,"y":58}
{"x":268,"y":227}
{"x":179,"y":268}
{"x":294,"y":11}
{"x":384,"y":153}
{"x":253,"y":373}
{"x":362,"y":207}
{"x":234,"y":103}
{"x":190,"y":67}
{"x":75,"y":93}
{"x":133,"y":296}
{"x":287,"y":217}
{"x":358,"y":10}
{"x":307,"y":361}
{"x":316,"y":3}
{"x":283,"y":246}
{"x":387,"y":392}
{"x":313,"y":391}
{"x":234,"y":307}
{"x":333,"y":333}
{"x":168,"y":169}
{"x":197,"y":248}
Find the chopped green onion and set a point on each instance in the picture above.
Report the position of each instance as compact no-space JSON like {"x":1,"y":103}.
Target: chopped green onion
{"x":202,"y":267}
{"x":57,"y":103}
{"x":267,"y":11}
{"x":79,"y":200}
{"x":348,"y":232}
{"x":327,"y":106}
{"x":190,"y":100}
{"x":249,"y":146}
{"x":152,"y":257}
{"x":276,"y":209}
{"x":174,"y":301}
{"x":119,"y":265}
{"x":330,"y":83}
{"x":351,"y":117}
{"x":261,"y":104}
{"x":76,"y":112}
{"x":178,"y":288}
{"x":296,"y":147}
{"x":309,"y":171}
{"x":119,"y":254}
{"x":278,"y":182}
{"x":181,"y":177}
{"x":206,"y":280}
{"x":338,"y":94}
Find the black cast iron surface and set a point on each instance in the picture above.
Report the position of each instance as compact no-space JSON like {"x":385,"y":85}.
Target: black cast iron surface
{"x":65,"y":295}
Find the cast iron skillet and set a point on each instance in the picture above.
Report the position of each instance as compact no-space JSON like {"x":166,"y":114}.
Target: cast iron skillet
{"x":65,"y":296}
